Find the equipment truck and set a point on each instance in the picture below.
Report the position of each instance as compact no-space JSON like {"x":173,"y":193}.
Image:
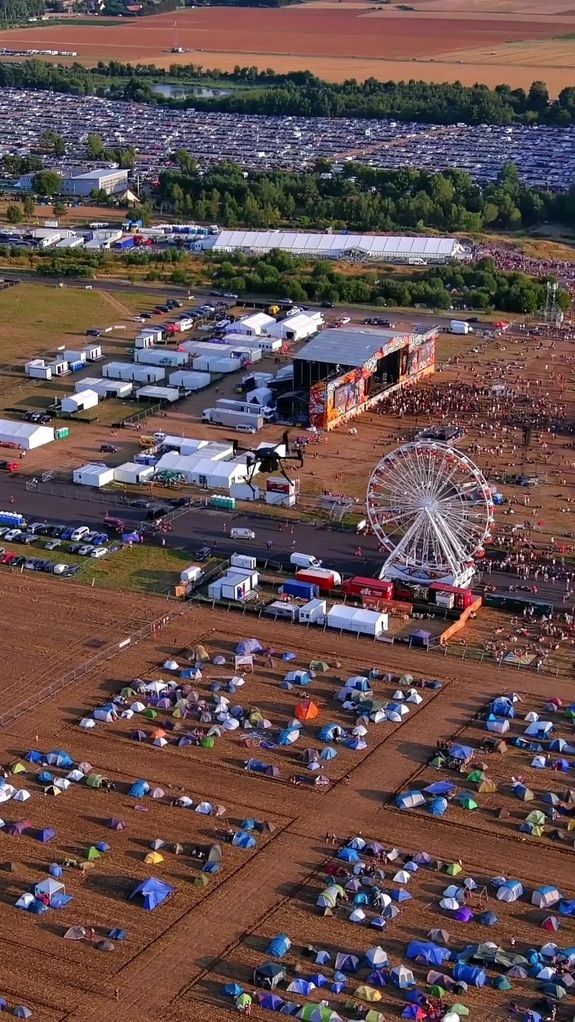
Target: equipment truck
{"x":460,"y":326}
{"x":268,"y":414}
{"x":229,"y":417}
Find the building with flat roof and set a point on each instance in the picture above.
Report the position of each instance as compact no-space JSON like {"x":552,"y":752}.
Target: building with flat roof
{"x":417,"y":250}
{"x":342,"y":373}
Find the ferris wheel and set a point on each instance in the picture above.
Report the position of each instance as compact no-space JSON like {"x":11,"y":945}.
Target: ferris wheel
{"x":431,"y":509}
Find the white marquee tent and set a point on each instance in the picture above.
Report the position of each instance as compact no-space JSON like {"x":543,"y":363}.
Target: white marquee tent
{"x":27,"y":435}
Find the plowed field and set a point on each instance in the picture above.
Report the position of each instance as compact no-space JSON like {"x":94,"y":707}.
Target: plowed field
{"x":175,"y":959}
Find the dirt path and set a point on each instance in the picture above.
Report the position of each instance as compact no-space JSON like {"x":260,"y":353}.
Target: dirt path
{"x":116,"y":303}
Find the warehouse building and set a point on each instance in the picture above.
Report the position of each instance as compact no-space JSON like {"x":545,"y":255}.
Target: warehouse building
{"x":342,"y":373}
{"x":417,"y":251}
{"x":111,"y":181}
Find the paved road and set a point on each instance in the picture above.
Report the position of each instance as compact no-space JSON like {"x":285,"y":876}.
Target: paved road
{"x":200,"y":526}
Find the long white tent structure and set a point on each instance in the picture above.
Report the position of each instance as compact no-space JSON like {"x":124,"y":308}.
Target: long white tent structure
{"x":360,"y":247}
{"x":26,"y":435}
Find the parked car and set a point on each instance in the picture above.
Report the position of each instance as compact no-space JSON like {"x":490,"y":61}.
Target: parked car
{"x":61,"y":569}
{"x":178,"y":501}
{"x":28,"y":539}
{"x":52,"y":544}
{"x":141,"y":503}
{"x":4,"y":530}
{"x":100,"y":539}
{"x":36,"y":527}
{"x":86,"y":549}
{"x":12,"y":534}
{"x":8,"y":558}
{"x":57,"y":531}
{"x":74,"y":548}
{"x":98,"y":551}
{"x":79,"y":532}
{"x":71,"y":569}
{"x":31,"y":563}
{"x":67,"y":532}
{"x":230,"y":294}
{"x":108,"y":449}
{"x":203,"y":554}
{"x":327,"y":305}
{"x":19,"y":561}
{"x":145,"y":315}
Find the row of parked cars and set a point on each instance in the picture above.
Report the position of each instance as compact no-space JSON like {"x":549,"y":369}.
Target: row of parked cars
{"x":12,"y":560}
{"x":81,"y":539}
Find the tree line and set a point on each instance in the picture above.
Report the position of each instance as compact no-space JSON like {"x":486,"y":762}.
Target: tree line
{"x":19,"y":11}
{"x":300,"y":93}
{"x":478,"y":286}
{"x":360,"y":198}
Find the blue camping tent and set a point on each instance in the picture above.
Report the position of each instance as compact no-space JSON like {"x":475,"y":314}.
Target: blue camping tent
{"x":139,"y":789}
{"x":330,"y":731}
{"x":279,"y":946}
{"x":57,"y":757}
{"x":46,"y":834}
{"x":348,"y":855}
{"x":437,"y":806}
{"x":430,"y":953}
{"x":34,"y":756}
{"x":470,"y":974}
{"x":249,"y":646}
{"x":153,"y":892}
{"x":503,"y":707}
{"x":462,"y":752}
{"x":242,"y":839}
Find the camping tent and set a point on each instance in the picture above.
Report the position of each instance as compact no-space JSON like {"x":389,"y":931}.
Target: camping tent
{"x":153,"y":892}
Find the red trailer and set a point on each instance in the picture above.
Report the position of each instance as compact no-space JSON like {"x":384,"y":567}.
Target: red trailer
{"x":358,"y":586}
{"x":462,"y":597}
{"x":323,"y":578}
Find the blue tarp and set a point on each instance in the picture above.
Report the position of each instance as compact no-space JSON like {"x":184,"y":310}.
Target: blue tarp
{"x":437,"y":807}
{"x":470,"y":974}
{"x":153,"y":892}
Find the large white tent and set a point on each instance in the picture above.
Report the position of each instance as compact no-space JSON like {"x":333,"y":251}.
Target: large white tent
{"x":339,"y":246}
{"x":27,"y":435}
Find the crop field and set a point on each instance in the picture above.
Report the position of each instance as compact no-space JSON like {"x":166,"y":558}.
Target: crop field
{"x":215,"y":927}
{"x":446,"y":41}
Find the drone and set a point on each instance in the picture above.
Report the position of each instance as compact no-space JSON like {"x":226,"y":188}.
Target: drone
{"x":269,"y":459}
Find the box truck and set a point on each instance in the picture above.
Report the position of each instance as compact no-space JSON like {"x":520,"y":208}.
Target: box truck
{"x":228,"y":417}
{"x":460,"y":326}
{"x":358,"y":586}
{"x":299,"y":589}
{"x":323,"y":578}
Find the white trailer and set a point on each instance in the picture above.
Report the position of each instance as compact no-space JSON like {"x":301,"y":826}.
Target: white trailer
{"x":133,"y":474}
{"x":72,"y":355}
{"x":161,"y":357}
{"x":281,"y":609}
{"x":313,"y":612}
{"x":79,"y":402}
{"x":243,"y":561}
{"x":215,"y":589}
{"x":144,"y":341}
{"x":37,"y":369}
{"x":460,"y":326}
{"x":93,"y":352}
{"x":189,"y":380}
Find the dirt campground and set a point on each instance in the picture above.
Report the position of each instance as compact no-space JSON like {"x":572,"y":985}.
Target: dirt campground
{"x":216,"y":924}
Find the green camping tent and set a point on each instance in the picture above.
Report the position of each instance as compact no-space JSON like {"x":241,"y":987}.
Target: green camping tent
{"x":92,"y":853}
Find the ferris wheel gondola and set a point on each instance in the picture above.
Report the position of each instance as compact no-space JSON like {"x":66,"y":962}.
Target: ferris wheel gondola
{"x":431,"y":509}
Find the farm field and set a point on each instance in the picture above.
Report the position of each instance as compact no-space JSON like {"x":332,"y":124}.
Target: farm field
{"x":208,"y":934}
{"x":446,"y":42}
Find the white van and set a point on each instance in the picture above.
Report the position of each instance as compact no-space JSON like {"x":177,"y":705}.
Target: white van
{"x":79,"y":533}
{"x":245,"y":427}
{"x":242,"y":534}
{"x":305,"y":561}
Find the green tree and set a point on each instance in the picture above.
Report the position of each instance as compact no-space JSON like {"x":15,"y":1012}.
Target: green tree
{"x":94,"y":147}
{"x":59,"y":208}
{"x":28,"y":205}
{"x":46,"y":182}
{"x":14,"y":214}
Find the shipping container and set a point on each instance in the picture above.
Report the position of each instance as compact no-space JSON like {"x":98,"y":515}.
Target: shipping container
{"x":297,"y":587}
{"x":324,"y":578}
{"x":359,"y":586}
